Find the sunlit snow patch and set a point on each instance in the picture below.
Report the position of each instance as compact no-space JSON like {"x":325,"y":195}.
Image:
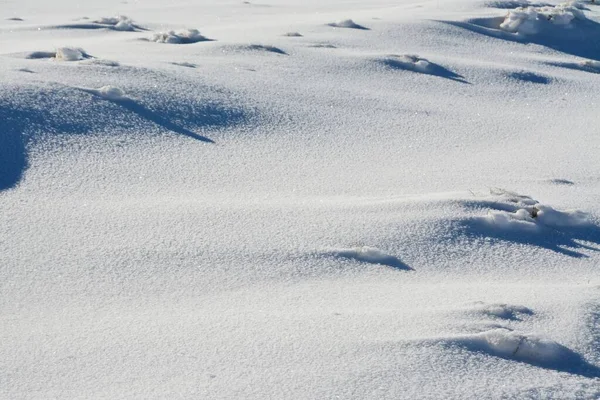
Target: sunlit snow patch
{"x":184,"y":37}
{"x":369,"y":255}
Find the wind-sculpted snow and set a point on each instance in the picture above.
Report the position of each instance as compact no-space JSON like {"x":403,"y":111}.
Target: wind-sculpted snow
{"x":518,"y":218}
{"x":564,"y":28}
{"x":347,"y":23}
{"x":34,"y":111}
{"x":527,"y":348}
{"x":415,"y":63}
{"x":61,"y":54}
{"x":369,"y":255}
{"x":276,"y":207}
{"x":184,"y":37}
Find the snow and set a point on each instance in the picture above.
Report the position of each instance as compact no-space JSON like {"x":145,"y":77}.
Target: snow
{"x":70,"y":54}
{"x":119,"y":23}
{"x":408,"y":211}
{"x":183,"y":37}
{"x":528,"y":348}
{"x":346,"y":23}
{"x":369,"y":255}
{"x":410,"y":62}
{"x":531,"y":20}
{"x":111,"y":93}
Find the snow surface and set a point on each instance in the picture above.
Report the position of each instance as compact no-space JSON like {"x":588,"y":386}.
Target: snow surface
{"x":408,"y":211}
{"x":183,"y":37}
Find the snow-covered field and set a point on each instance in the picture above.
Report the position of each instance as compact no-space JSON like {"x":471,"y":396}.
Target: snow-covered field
{"x":299,"y":199}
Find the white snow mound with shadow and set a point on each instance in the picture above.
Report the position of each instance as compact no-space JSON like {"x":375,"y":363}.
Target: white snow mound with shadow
{"x":111,"y":93}
{"x":119,"y":23}
{"x":70,"y":54}
{"x":410,"y":62}
{"x":530,"y":214}
{"x":346,"y":23}
{"x":183,"y":37}
{"x":529,"y":348}
{"x":371,"y":255}
{"x":530,"y":20}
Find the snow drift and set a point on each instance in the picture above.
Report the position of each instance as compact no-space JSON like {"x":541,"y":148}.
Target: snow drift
{"x":370,"y":255}
{"x":532,"y":20}
{"x":183,"y":37}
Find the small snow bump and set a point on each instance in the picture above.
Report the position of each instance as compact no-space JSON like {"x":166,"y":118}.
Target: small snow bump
{"x":111,"y":93}
{"x":183,"y":37}
{"x":347,"y":23}
{"x":371,"y":255}
{"x":531,"y":20}
{"x":119,"y":23}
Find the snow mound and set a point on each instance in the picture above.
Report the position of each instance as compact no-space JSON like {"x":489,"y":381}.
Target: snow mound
{"x":591,"y":64}
{"x":502,"y":311}
{"x":371,"y":255}
{"x":531,"y":20}
{"x":414,"y":63}
{"x":529,"y":214}
{"x":111,"y":92}
{"x":119,"y":23}
{"x":408,"y":61}
{"x":184,"y":37}
{"x":347,"y":23}
{"x":529,"y":348}
{"x":70,"y":54}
